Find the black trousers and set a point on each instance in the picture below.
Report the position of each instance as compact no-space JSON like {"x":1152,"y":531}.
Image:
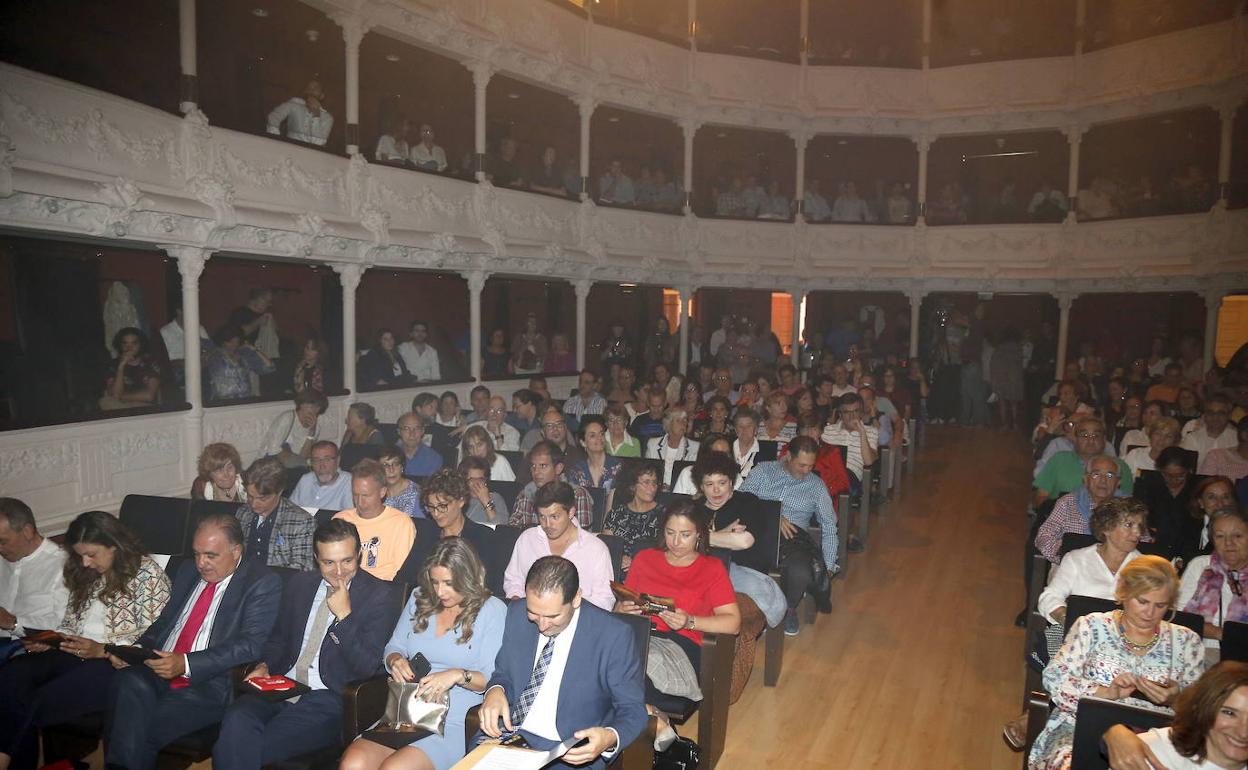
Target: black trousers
{"x":46,"y":688}
{"x":800,"y":562}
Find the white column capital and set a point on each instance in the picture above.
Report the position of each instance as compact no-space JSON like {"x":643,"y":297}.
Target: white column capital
{"x":350,"y":274}
{"x":586,"y":104}
{"x":801,"y":137}
{"x":353,"y":27}
{"x":191,"y":260}
{"x":582,"y":286}
{"x":481,"y":71}
{"x":916,"y":296}
{"x":922,"y":141}
{"x":1228,"y":106}
{"x":1074,"y":133}
{"x":476,"y":280}
{"x":1065,"y":299}
{"x":689,"y":126}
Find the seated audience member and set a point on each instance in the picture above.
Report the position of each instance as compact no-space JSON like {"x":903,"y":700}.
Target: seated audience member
{"x":276,"y":531}
{"x":528,"y":348}
{"x":503,"y":437}
{"x":777,"y":424}
{"x":135,"y":378}
{"x":115,"y":592}
{"x":419,"y":356}
{"x":1212,"y":431}
{"x":815,"y":207}
{"x":189,"y":685}
{"x":1210,"y":585}
{"x":692,"y":402}
{"x":426,"y":154}
{"x":615,"y":186}
{"x":230,"y":366}
{"x":730,"y":200}
{"x":325,"y":487}
{"x":649,"y":425}
{"x":775,"y":205}
{"x":32,"y":593}
{"x":387,"y":533}
{"x":1102,"y":480}
{"x":598,"y":469}
{"x":220,"y":475}
{"x":477,"y":443}
{"x":495,"y":357}
{"x":445,"y":496}
{"x":449,"y":414}
{"x":330,"y":630}
{"x":597,"y":696}
{"x":1065,"y":471}
{"x":362,"y":426}
{"x":453,"y":621}
{"x":1163,"y":433}
{"x":438,"y":437}
{"x":560,"y":357}
{"x":619,"y":442}
{"x":174,"y":339}
{"x":291,"y":436}
{"x":554,"y":428}
{"x":717,"y":419}
{"x":309,"y":372}
{"x":523,"y":416}
{"x":712,"y":442}
{"x":898,"y":208}
{"x":392,"y":144}
{"x":503,"y":168}
{"x":673,"y":446}
{"x":803,"y":497}
{"x":1168,"y":389}
{"x":1208,"y":497}
{"x":861,"y":441}
{"x":546,"y":464}
{"x":679,"y":568}
{"x":634,"y":514}
{"x":484,"y":506}
{"x":557,"y":533}
{"x":586,"y":400}
{"x":252,"y":317}
{"x":1137,"y":437}
{"x":1187,"y":406}
{"x":1049,"y":204}
{"x":1204,"y":733}
{"x":548,"y":177}
{"x":1231,"y":462}
{"x":668,"y":195}
{"x":401,"y":493}
{"x":305,"y":117}
{"x":721,"y":381}
{"x":848,"y":207}
{"x":418,"y":459}
{"x":382,"y":366}
{"x":1168,"y":497}
{"x":1158,"y":659}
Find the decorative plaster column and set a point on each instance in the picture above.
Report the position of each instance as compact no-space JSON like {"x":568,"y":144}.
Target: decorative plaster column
{"x":582,"y":288}
{"x":1074,"y":135}
{"x":798,"y":296}
{"x":686,"y":301}
{"x":481,"y":74}
{"x":800,"y":139}
{"x":1213,"y":304}
{"x":924,"y":143}
{"x":189,"y":89}
{"x":353,"y":29}
{"x":476,"y":283}
{"x":1064,"y":301}
{"x":916,"y":307}
{"x":585,"y":105}
{"x":926,"y":43}
{"x":349,"y":275}
{"x":1226,"y":111}
{"x":689,"y":127}
{"x":191,"y":261}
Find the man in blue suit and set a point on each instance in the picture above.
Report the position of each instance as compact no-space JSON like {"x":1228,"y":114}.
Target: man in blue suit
{"x":220,"y":612}
{"x":331,"y":631}
{"x":584,"y":680}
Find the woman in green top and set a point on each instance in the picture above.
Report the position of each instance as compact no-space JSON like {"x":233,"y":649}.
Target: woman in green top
{"x":620,"y":443}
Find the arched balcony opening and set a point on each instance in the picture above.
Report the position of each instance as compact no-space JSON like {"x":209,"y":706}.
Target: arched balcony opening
{"x":650,"y":152}
{"x":743,"y":173}
{"x":861,"y":179}
{"x":1000,"y":178}
{"x":529,"y":327}
{"x":525,"y":122}
{"x":426,"y":309}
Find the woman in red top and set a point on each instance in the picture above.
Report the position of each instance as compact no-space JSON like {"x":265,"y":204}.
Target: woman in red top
{"x":680,"y":569}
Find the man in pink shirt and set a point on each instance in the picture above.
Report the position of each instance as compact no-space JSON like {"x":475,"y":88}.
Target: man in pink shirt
{"x":557,"y":534}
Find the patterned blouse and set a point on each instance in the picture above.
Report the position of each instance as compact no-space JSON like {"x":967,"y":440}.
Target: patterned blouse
{"x":129,"y":615}
{"x":637,"y":530}
{"x":408,"y":501}
{"x":1095,"y":653}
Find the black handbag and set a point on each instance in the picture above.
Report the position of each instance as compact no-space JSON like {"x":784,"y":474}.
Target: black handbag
{"x":683,"y":754}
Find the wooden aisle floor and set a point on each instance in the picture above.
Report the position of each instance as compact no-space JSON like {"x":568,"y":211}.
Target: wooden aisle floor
{"x":919,"y":664}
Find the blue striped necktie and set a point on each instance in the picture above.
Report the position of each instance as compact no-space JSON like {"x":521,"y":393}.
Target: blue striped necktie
{"x":529,"y":694}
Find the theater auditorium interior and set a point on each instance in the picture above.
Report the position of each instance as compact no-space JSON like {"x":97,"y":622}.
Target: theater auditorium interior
{"x":719,"y":383}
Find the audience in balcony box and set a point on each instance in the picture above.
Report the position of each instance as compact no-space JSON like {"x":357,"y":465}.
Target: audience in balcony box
{"x":233,"y":367}
{"x":948,"y":208}
{"x":528,"y":347}
{"x":427,"y":155}
{"x":401,"y":493}
{"x":848,"y":207}
{"x":503,"y":169}
{"x":643,"y":188}
{"x":419,"y":356}
{"x":1097,"y":201}
{"x":898,"y":207}
{"x":814,"y":209}
{"x":382,"y":366}
{"x":220,"y":475}
{"x":325,"y":487}
{"x":392,"y":144}
{"x":306,"y":118}
{"x":753,"y":195}
{"x":309,"y":373}
{"x":560,"y":357}
{"x":291,"y":435}
{"x":730,"y":199}
{"x":615,"y":187}
{"x":774,"y":204}
{"x":134,"y":379}
{"x":175,"y":344}
{"x":549,"y":177}
{"x":1049,"y":204}
{"x":495,"y":357}
{"x":276,"y":531}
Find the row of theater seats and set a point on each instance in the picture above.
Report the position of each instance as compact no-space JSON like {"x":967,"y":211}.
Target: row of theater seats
{"x":1095,"y":716}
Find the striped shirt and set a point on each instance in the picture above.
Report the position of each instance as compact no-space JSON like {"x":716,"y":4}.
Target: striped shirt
{"x":837,"y":435}
{"x":799,"y":500}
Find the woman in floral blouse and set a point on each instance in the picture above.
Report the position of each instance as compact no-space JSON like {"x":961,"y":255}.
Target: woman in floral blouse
{"x":115,"y":592}
{"x":1131,"y":655}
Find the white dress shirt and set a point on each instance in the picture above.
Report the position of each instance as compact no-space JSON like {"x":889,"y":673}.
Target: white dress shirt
{"x":506,"y":439}
{"x":1083,"y":572}
{"x":423,"y":364}
{"x":334,"y":496}
{"x":175,"y":340}
{"x":1199,"y":441}
{"x":314,"y":668}
{"x":205,"y":629}
{"x":301,"y":125}
{"x":744,"y":459}
{"x":425,"y":157}
{"x":687,"y":449}
{"x":33,"y":589}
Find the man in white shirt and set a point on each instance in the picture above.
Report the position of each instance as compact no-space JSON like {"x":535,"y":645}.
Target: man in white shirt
{"x":615,"y":186}
{"x":719,"y":335}
{"x":505,"y":437}
{"x":850,"y":208}
{"x":325,"y":487}
{"x":306,"y":118}
{"x":32,"y":591}
{"x":426,"y":154}
{"x":1212,"y":430}
{"x":861,"y":441}
{"x":175,"y":342}
{"x":814,"y":206}
{"x":421,"y":357}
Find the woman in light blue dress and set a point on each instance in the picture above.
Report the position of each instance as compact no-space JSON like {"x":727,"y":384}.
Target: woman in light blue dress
{"x":454,"y":621}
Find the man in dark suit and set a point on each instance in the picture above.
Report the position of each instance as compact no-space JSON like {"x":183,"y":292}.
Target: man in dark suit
{"x":220,"y":612}
{"x":331,"y":630}
{"x":584,"y":680}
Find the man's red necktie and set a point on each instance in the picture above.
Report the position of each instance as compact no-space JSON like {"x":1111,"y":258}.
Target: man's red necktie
{"x":186,"y":639}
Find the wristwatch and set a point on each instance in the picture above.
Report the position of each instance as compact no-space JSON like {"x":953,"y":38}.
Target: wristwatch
{"x":467,"y":677}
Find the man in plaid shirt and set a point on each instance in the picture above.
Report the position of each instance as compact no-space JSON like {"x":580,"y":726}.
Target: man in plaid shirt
{"x":546,"y":465}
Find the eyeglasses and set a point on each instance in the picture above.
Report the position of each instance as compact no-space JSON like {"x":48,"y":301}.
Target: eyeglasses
{"x":549,"y":425}
{"x":1111,"y":475}
{"x":721,"y":379}
{"x":391,"y":464}
{"x":330,"y":459}
{"x":1090,"y":434}
{"x":439,"y":507}
{"x":495,"y":410}
{"x":411,"y":429}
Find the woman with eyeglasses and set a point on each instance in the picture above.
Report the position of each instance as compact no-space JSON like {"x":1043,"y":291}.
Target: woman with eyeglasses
{"x":1210,"y":496}
{"x":1215,"y":586}
{"x":1132,"y":655}
{"x":1164,"y":433}
{"x":1151,"y":413}
{"x":634,"y":514}
{"x":401,"y":492}
{"x":445,"y":496}
{"x":620,"y":443}
{"x":477,"y":443}
{"x":1168,"y":496}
